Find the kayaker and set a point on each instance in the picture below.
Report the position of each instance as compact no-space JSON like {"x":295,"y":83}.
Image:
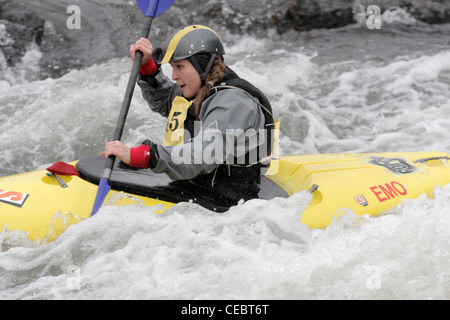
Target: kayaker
{"x":219,"y":127}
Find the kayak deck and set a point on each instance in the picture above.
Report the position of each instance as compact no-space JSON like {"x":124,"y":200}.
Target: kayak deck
{"x":360,"y":183}
{"x":39,"y":205}
{"x":159,"y":186}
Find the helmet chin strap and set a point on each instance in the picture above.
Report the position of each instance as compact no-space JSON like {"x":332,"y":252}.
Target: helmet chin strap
{"x":203,"y":73}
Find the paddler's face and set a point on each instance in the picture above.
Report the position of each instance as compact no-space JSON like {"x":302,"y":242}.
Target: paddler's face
{"x":187,"y":77}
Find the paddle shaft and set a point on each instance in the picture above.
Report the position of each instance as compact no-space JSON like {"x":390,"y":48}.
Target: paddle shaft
{"x":127,"y":98}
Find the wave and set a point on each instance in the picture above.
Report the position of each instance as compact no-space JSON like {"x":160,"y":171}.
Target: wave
{"x":343,"y":90}
{"x":258,"y":250}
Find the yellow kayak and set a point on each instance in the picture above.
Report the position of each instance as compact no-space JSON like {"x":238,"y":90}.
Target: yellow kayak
{"x":360,"y":183}
{"x":43,"y":205}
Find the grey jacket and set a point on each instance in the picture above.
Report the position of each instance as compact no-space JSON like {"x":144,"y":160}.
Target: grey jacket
{"x":228,"y":128}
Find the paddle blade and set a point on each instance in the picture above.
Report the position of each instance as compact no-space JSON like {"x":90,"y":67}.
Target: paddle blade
{"x":154,"y":8}
{"x":102,"y":192}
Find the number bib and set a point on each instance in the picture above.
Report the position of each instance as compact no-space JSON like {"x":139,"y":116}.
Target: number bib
{"x":175,"y":121}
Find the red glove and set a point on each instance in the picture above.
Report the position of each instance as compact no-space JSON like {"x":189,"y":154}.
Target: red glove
{"x":149,"y":68}
{"x":140,"y":156}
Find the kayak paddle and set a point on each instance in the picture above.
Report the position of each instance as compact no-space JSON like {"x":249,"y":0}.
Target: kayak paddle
{"x":151,"y":9}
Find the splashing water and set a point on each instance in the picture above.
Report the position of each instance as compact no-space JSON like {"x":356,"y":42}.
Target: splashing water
{"x":342,"y":90}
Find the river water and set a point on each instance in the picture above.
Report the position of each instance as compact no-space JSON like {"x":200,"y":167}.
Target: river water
{"x":350,"y":89}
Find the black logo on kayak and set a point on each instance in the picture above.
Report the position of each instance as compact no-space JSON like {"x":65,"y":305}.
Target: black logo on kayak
{"x":397,"y":166}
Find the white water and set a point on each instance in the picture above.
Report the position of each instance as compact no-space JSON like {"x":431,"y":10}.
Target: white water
{"x":344,"y":90}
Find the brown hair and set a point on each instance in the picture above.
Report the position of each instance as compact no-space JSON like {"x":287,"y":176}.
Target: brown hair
{"x":215,"y":75}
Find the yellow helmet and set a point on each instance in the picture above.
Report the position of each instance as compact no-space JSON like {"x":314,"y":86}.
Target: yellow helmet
{"x":188,"y":41}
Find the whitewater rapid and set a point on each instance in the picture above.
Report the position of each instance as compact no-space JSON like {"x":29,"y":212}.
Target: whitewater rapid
{"x":362,"y":93}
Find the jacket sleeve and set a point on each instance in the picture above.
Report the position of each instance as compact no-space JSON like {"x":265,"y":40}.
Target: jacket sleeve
{"x":228,"y":121}
{"x":159,"y":92}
